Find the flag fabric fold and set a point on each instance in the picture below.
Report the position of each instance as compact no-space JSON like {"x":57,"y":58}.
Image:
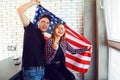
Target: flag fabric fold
{"x":77,"y":62}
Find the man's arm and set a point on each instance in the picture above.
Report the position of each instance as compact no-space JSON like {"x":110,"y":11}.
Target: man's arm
{"x":21,"y":11}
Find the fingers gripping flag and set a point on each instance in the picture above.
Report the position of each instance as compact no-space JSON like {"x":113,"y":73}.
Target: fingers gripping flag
{"x":77,"y":62}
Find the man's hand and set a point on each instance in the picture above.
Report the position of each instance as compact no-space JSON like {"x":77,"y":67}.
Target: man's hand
{"x":37,"y":2}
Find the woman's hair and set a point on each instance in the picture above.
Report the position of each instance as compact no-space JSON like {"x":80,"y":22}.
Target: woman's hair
{"x":54,"y":32}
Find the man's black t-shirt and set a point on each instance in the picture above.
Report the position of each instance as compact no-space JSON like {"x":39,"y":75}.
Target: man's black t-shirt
{"x":33,"y":47}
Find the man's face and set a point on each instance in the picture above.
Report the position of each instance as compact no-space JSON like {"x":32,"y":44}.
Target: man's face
{"x":43,"y":24}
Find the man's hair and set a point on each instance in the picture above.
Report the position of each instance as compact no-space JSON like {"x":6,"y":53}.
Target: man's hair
{"x":45,"y":16}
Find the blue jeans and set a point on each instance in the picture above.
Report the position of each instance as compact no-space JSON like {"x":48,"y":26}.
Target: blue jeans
{"x":33,"y":74}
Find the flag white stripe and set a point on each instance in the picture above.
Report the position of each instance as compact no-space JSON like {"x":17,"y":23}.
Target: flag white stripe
{"x":47,"y":34}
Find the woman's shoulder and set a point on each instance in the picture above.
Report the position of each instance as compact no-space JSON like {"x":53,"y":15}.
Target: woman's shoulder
{"x":63,"y":41}
{"x":49,"y":40}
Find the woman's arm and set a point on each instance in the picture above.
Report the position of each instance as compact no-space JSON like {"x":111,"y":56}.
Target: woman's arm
{"x":49,"y":51}
{"x":21,"y":11}
{"x":75,"y":51}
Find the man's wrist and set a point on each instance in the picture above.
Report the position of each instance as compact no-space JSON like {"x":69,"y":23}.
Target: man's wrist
{"x":34,"y":3}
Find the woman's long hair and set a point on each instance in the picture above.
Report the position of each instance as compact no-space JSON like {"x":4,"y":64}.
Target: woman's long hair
{"x":54,"y":33}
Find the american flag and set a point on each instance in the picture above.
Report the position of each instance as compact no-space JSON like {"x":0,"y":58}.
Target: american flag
{"x":76,"y":62}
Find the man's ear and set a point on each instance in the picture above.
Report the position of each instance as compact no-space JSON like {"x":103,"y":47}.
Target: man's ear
{"x":38,"y":23}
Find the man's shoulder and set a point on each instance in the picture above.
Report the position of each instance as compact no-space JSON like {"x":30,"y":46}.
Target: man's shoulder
{"x":29,"y":25}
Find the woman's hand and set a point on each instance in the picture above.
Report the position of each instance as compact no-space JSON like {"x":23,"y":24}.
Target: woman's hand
{"x":89,"y":48}
{"x":55,"y":45}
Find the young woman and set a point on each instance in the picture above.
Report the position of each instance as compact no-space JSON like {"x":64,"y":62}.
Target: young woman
{"x":55,"y":49}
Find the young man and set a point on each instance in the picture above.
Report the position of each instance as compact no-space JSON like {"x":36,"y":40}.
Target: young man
{"x":33,"y":46}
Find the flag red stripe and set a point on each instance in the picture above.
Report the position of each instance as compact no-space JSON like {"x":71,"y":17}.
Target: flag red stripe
{"x":78,"y":60}
{"x":86,"y":54}
{"x":78,"y":69}
{"x":45,"y":37}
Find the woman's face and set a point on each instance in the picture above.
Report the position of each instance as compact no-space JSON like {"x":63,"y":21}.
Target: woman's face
{"x":60,"y":30}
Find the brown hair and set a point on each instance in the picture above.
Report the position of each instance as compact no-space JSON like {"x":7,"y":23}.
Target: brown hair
{"x":53,"y":32}
{"x":45,"y":16}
